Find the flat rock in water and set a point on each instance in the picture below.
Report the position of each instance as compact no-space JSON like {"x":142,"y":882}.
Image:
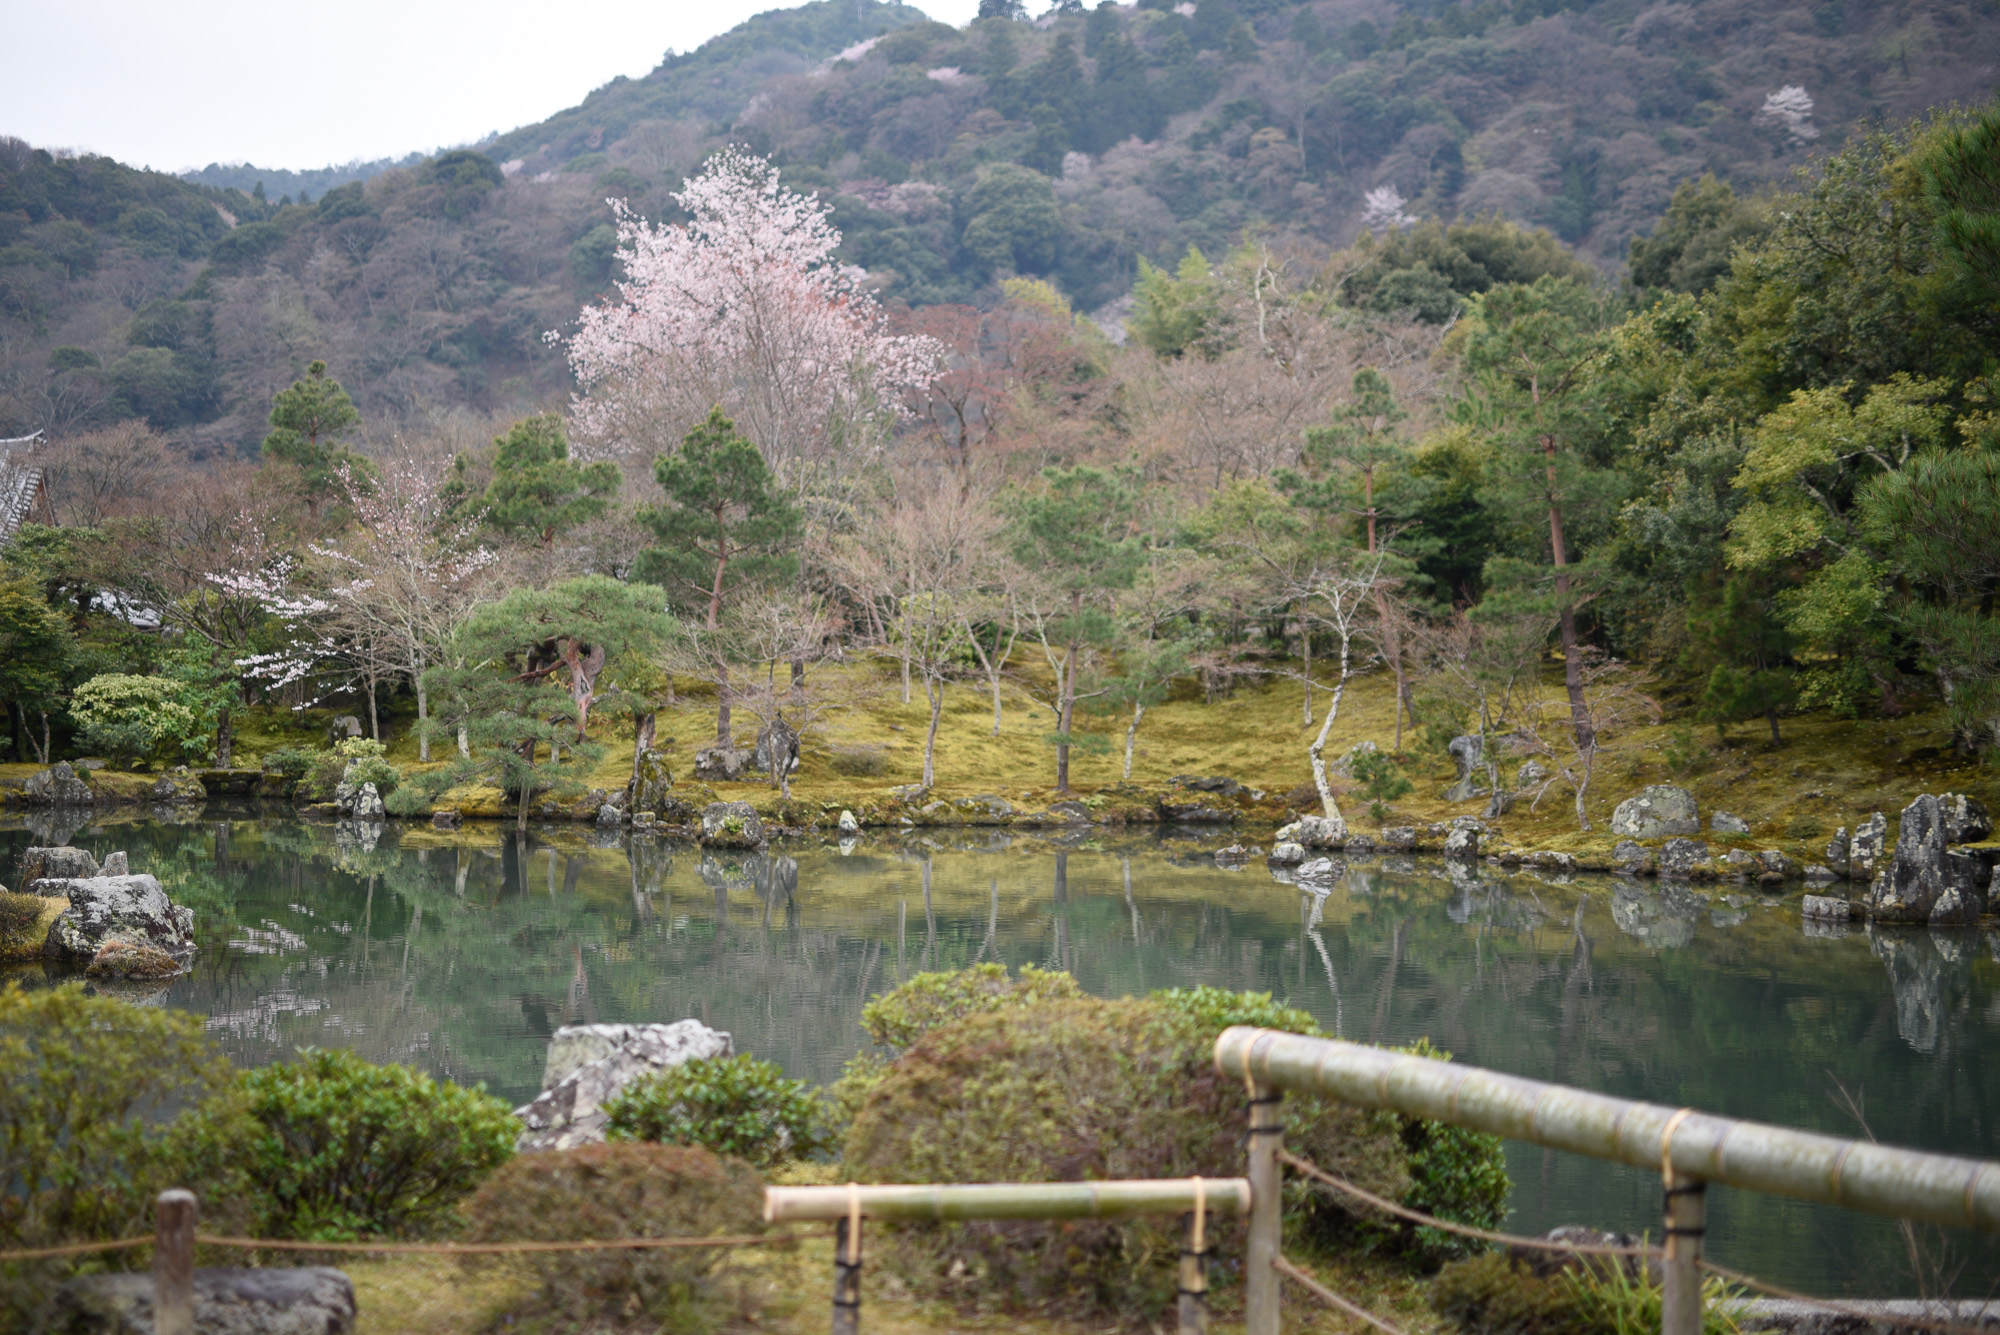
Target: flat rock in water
{"x":129,"y":909}
{"x":1656,"y":813}
{"x":1835,"y":907}
{"x":1285,"y":853}
{"x":228,"y":1300}
{"x":590,"y":1064}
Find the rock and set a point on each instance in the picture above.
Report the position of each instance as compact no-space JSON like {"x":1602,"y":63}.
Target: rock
{"x":58,"y":786}
{"x":1322,"y":831}
{"x":368,"y":804}
{"x":1771,"y":860}
{"x":1662,"y":919}
{"x":1683,"y":857}
{"x":652,"y":782}
{"x":1836,"y":852}
{"x":61,"y":863}
{"x":1324,"y":871}
{"x":1343,"y":768}
{"x":610,"y":815}
{"x":910,"y":792}
{"x":1656,"y":813}
{"x":1067,"y":812}
{"x":724,"y":764}
{"x":777,"y":744}
{"x":1834,"y":907}
{"x":1965,"y":819}
{"x":1498,"y":805}
{"x":116,"y":865}
{"x":1908,"y":888}
{"x":985,"y":809}
{"x":589,"y":1064}
{"x":1214,"y":783}
{"x":645,"y":820}
{"x":1627,"y":851}
{"x":1532,"y":774}
{"x":731,"y":825}
{"x":1286,"y":854}
{"x":178,"y":788}
{"x":228,"y":1300}
{"x":1399,"y":838}
{"x":1191,"y":806}
{"x":1964,"y":897}
{"x":1561,"y":863}
{"x":1723,"y":823}
{"x":130,"y":959}
{"x":447,"y":818}
{"x":1740,"y":864}
{"x":131,"y":909}
{"x":1819,"y":875}
{"x":342,"y":727}
{"x":1466,"y":753}
{"x":229,"y":782}
{"x":849,"y":825}
{"x":1865,"y":846}
{"x":1360,"y":844}
{"x":1236,"y":855}
{"x":1462,"y":845}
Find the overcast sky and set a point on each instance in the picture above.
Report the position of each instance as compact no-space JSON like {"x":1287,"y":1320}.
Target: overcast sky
{"x":174,"y":86}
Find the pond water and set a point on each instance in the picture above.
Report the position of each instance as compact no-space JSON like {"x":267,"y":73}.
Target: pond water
{"x":462,"y":952}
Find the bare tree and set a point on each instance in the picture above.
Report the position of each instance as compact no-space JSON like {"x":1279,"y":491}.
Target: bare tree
{"x":1611,"y":703}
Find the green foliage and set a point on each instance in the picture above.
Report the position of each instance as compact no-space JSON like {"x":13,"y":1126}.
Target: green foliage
{"x":736,"y":1105}
{"x":726,"y":523}
{"x":1012,"y":223}
{"x":538,"y":491}
{"x":1685,"y":753}
{"x":347,"y":1149}
{"x":365,"y":761}
{"x":1173,"y":312}
{"x":88,"y":1131}
{"x":129,"y":717}
{"x":896,"y":1020}
{"x":292,"y":762}
{"x":1382,"y":782}
{"x":307,"y":422}
{"x":620,"y":1191}
{"x":1456,"y":1174}
{"x":1690,"y":248}
{"x":1072,"y":1089}
{"x":1962,"y":185}
{"x":37,"y":649}
{"x":1432,"y":268}
{"x":1498,"y":1294}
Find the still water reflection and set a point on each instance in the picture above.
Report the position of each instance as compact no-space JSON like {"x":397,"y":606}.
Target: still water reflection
{"x":462,"y":952}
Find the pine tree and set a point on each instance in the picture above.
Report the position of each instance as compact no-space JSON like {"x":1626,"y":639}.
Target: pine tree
{"x":537,"y":490}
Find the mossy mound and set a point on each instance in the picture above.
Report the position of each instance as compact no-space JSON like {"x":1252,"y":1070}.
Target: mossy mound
{"x":25,"y":922}
{"x":1069,"y":1090}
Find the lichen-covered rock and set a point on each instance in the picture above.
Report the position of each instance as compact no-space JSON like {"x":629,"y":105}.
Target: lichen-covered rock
{"x":848,"y":824}
{"x":1549,"y":860}
{"x":1819,"y":875}
{"x":1285,"y":853}
{"x":724,"y":764}
{"x":61,"y":863}
{"x":179,"y":788}
{"x":1723,"y":823}
{"x":1198,"y":802}
{"x":1965,"y":891}
{"x":1462,"y":845}
{"x":58,"y":786}
{"x":368,"y":804}
{"x":1683,"y":858}
{"x":132,"y":909}
{"x":1966,"y":820}
{"x":1322,"y":831}
{"x":447,"y":818}
{"x":1218,"y":784}
{"x":1532,"y":774}
{"x":1657,"y":812}
{"x":116,"y":865}
{"x":265,"y":1300}
{"x":590,"y":1064}
{"x":1907,"y":889}
{"x":610,"y":815}
{"x":1865,"y":847}
{"x":1834,"y":907}
{"x":1399,"y":838}
{"x":1771,"y":860}
{"x":652,"y":782}
{"x":1741,"y":864}
{"x":1836,"y":852}
{"x":1360,"y":844}
{"x":1466,"y":752}
{"x":777,"y":745}
{"x":731,"y":825}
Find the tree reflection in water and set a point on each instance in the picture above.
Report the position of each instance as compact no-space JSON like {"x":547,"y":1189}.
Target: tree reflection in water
{"x":461,"y":952}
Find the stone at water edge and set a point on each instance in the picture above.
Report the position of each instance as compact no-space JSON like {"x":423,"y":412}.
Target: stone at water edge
{"x":447,"y":818}
{"x":228,"y":1300}
{"x":652,"y":782}
{"x":1865,"y":847}
{"x":610,"y":815}
{"x":1835,"y":907}
{"x":588,"y":1065}
{"x":848,"y":824}
{"x":1682,"y":857}
{"x":1361,"y":844}
{"x":1657,"y":812}
{"x":1771,"y":860}
{"x":61,"y":863}
{"x":1236,"y":855}
{"x":731,"y":825}
{"x":57,"y":786}
{"x":1400,"y":838}
{"x":1836,"y":852}
{"x":1966,"y":820}
{"x":132,"y":960}
{"x":1322,"y":831}
{"x":119,"y":908}
{"x":1723,"y":823}
{"x":1908,"y":888}
{"x":1462,"y":845}
{"x":1285,"y":853}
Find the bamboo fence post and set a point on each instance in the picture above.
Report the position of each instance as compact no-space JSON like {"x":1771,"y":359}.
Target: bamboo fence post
{"x":1680,"y":1272}
{"x":847,"y":1268}
{"x":173,"y":1262}
{"x":1193,"y":1296}
{"x":1260,"y":1276}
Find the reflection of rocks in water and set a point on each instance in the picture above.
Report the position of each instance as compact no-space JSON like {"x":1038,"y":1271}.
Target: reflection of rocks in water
{"x":1663,"y":919}
{"x":55,"y":825}
{"x":357,"y":837}
{"x":729,"y":873}
{"x":1833,"y":928}
{"x":1730,"y":912}
{"x":1922,"y":966}
{"x":131,"y":991}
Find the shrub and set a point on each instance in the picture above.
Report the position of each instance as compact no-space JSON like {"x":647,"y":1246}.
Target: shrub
{"x":129,"y":718}
{"x":1074,"y":1089}
{"x":290,"y":762}
{"x":1456,"y":1174}
{"x":349,"y":1149}
{"x":24,"y":924}
{"x":1496,"y":1293}
{"x":1382,"y":782}
{"x":619,"y":1191}
{"x":365,"y":764}
{"x":83,"y":1142}
{"x":731,"y":1105}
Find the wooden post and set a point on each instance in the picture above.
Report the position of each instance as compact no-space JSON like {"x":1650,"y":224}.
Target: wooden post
{"x":847,"y":1275}
{"x":1192,"y":1311}
{"x":1680,"y":1278}
{"x":1260,"y":1279}
{"x":173,"y":1263}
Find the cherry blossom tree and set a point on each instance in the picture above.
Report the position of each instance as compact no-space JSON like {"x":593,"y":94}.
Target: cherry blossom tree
{"x":742,"y":306}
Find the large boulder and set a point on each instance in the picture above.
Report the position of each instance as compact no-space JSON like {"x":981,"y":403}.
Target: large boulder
{"x":61,"y":863}
{"x":1467,"y":753}
{"x":1966,"y":820}
{"x":1683,"y":858}
{"x":1657,"y":812}
{"x":652,"y":782}
{"x":1865,"y":847}
{"x":1723,"y":823}
{"x":1908,"y":888}
{"x":179,"y":787}
{"x":731,"y":825}
{"x":1837,"y":852}
{"x":724,"y":764}
{"x":777,"y":744}
{"x":129,"y":909}
{"x":1462,"y":844}
{"x":57,"y":786}
{"x":1322,"y":832}
{"x":228,"y":1300}
{"x":590,"y":1064}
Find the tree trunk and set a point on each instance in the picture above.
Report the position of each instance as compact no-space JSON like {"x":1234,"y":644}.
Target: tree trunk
{"x":1065,"y":715}
{"x":1772,"y":715}
{"x":464,"y":742}
{"x":1306,"y":651}
{"x":934,"y":688}
{"x":722,"y":737}
{"x":1317,"y":751}
{"x":1132,"y":732}
{"x":527,"y":786}
{"x":423,"y":720}
{"x":374,"y":720}
{"x":1579,"y":708}
{"x":225,"y":739}
{"x":643,"y":732}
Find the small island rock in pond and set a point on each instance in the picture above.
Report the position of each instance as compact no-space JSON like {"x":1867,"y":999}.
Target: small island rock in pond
{"x":590,"y":1064}
{"x":133,"y":910}
{"x":1656,"y":813}
{"x":61,"y":863}
{"x":731,"y":825}
{"x":1927,"y":881}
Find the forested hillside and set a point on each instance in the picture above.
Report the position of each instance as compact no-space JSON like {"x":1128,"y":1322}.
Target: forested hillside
{"x":1070,"y":147}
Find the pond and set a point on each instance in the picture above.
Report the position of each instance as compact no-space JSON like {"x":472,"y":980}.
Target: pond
{"x":461,"y":952}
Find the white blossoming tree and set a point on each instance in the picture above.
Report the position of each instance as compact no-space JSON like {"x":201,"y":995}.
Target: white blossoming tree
{"x":742,"y":306}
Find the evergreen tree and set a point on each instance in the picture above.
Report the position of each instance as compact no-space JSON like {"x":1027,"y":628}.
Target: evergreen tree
{"x":307,"y":422}
{"x":538,"y":491}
